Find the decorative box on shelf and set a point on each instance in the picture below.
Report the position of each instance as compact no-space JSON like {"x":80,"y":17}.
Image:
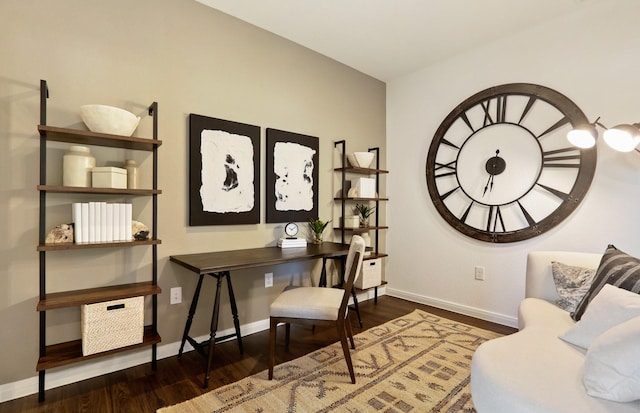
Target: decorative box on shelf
{"x":112,"y":324}
{"x":370,"y":275}
{"x":366,"y":187}
{"x":351,"y":221}
{"x":109,"y":177}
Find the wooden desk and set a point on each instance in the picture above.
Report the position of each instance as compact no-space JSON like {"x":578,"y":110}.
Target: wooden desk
{"x":219,"y":265}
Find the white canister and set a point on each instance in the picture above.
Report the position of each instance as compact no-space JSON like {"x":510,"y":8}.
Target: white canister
{"x":76,"y":166}
{"x":133,"y":180}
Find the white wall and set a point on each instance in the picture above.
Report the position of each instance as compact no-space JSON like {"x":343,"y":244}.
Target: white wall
{"x":593,"y":57}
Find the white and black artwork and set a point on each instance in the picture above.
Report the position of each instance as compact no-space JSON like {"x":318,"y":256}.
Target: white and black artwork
{"x":292,"y":176}
{"x":224,"y":172}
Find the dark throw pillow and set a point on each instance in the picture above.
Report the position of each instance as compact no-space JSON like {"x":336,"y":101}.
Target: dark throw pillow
{"x":616,"y":268}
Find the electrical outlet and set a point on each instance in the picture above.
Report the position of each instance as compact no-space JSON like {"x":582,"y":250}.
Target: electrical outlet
{"x":479,"y":273}
{"x":268,"y":280}
{"x":176,"y":295}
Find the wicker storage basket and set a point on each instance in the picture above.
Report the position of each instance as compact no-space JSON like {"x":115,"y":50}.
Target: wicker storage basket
{"x":112,"y":324}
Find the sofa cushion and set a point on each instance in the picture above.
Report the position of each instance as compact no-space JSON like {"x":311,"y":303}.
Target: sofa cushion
{"x":616,"y":268}
{"x":610,"y":307}
{"x":571,"y":282}
{"x":612,"y":364}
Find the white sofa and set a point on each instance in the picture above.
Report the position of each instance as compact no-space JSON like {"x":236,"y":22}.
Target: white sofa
{"x":533,"y":371}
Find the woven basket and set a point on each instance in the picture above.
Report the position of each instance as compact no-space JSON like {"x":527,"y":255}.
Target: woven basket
{"x":112,"y":324}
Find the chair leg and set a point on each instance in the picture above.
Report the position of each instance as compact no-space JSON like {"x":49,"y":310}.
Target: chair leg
{"x":345,"y":347}
{"x":287,"y":335}
{"x":347,"y":324}
{"x":272,"y":346}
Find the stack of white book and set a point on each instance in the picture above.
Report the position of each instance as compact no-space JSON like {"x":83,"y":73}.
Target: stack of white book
{"x":292,"y":242}
{"x":101,"y":222}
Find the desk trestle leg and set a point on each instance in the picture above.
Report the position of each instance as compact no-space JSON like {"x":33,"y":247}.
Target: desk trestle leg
{"x":192,"y":311}
{"x":206,"y":348}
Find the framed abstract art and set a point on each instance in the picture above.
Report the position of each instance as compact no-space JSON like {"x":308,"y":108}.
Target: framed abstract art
{"x":224,"y":165}
{"x":292,"y":176}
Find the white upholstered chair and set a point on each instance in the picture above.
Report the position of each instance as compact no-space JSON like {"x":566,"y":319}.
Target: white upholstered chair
{"x":319,"y":306}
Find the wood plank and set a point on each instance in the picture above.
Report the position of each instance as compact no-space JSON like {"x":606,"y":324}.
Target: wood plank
{"x":87,"y":245}
{"x":212,"y":262}
{"x":107,"y":191}
{"x":69,"y":352}
{"x":339,"y":198}
{"x":54,"y":133}
{"x":362,"y":229}
{"x":96,"y":295}
{"x":358,"y":170}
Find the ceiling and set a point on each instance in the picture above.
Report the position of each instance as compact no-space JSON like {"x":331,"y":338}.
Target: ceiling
{"x":390,"y":38}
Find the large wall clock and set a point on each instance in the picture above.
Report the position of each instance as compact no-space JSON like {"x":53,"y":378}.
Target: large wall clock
{"x":499,"y":167}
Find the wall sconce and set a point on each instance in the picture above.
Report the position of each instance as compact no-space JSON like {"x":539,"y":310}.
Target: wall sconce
{"x":622,"y":138}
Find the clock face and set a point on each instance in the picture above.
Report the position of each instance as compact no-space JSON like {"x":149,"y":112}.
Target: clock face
{"x":500,"y":168}
{"x":291,"y":229}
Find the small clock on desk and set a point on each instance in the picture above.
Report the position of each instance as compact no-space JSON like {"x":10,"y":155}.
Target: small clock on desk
{"x":291,"y":230}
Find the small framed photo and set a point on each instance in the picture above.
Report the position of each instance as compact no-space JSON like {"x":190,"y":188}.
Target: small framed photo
{"x":292,"y":176}
{"x":224,"y":165}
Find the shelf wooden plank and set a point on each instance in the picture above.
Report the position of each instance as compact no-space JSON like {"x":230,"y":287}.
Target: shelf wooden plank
{"x":83,"y":137}
{"x":108,"y":191}
{"x":70,"y":352}
{"x":87,"y":245}
{"x":97,"y":295}
{"x":340,"y":198}
{"x":358,"y":170}
{"x":370,"y":288}
{"x":361,"y":229}
{"x":373,"y":256}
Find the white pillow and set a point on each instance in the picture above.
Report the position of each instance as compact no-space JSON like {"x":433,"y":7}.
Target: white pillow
{"x":610,"y":307}
{"x":612,"y":364}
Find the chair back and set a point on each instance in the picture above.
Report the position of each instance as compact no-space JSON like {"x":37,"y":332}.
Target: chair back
{"x":352,"y":268}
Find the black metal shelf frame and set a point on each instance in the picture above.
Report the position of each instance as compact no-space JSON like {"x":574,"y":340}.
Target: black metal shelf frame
{"x":153,"y":111}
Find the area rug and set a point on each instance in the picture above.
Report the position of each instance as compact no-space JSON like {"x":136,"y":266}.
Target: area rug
{"x":415,"y":363}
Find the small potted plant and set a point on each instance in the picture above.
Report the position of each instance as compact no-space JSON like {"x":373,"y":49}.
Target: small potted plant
{"x":364,"y":211}
{"x":317,"y":226}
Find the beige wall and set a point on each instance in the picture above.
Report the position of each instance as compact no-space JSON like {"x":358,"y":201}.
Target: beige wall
{"x":190,"y":59}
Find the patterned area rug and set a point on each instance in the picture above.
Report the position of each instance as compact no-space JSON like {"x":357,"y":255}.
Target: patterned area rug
{"x":415,"y":363}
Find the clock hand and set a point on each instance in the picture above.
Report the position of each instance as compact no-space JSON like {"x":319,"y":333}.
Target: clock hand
{"x":487,"y":185}
{"x":494,"y":166}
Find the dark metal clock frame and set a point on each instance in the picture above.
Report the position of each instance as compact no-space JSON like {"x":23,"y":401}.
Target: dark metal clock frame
{"x":494,"y":102}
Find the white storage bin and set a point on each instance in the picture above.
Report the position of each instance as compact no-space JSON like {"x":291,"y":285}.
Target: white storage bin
{"x":370,"y":274}
{"x":112,"y":324}
{"x":366,"y":187}
{"x":109,"y":177}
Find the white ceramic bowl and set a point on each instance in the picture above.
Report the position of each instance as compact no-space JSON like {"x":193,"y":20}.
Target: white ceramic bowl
{"x":109,"y":119}
{"x":361,"y":159}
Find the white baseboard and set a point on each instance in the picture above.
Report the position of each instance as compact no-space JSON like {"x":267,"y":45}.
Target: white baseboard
{"x":455,"y":307}
{"x":82,"y":371}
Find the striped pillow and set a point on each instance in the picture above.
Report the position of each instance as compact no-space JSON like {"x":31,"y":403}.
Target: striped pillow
{"x":616,"y":268}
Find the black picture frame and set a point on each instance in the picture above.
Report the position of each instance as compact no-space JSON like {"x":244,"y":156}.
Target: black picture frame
{"x":275,"y":200}
{"x":232,"y":144}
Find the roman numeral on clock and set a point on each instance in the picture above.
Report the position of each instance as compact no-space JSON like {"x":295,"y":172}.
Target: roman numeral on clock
{"x":556,"y":159}
{"x":495,"y":218}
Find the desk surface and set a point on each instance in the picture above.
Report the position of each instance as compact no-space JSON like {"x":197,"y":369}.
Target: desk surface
{"x":212,"y":262}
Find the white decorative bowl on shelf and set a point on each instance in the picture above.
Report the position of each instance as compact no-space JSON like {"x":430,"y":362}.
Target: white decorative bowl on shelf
{"x":360,"y":159}
{"x":109,"y":119}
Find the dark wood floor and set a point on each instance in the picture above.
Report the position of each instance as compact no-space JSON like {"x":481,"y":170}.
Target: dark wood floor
{"x":139,"y":389}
